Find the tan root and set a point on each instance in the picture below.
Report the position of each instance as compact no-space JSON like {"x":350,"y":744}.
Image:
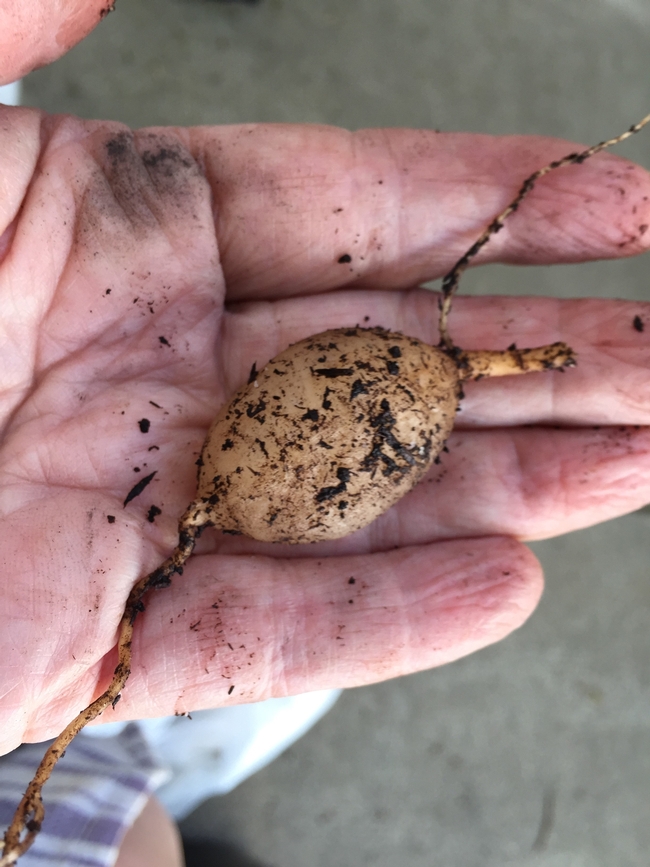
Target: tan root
{"x":483,"y":362}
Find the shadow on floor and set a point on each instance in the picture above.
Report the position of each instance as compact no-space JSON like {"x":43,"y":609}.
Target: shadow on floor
{"x":200,"y":853}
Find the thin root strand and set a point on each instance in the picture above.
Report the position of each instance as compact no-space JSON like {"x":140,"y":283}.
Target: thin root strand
{"x":451,"y":280}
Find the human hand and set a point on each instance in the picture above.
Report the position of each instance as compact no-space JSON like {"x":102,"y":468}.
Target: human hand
{"x":140,"y":278}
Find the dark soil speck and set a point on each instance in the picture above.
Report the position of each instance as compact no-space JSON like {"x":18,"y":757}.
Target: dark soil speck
{"x":153,"y":512}
{"x":137,"y":489}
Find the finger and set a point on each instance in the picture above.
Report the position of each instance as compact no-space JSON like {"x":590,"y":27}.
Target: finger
{"x":35,"y":33}
{"x":305,"y":209}
{"x":610,"y":385}
{"x":241,"y":629}
{"x":531,"y":483}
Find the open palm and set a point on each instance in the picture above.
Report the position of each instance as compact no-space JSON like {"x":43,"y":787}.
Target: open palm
{"x":141,"y":275}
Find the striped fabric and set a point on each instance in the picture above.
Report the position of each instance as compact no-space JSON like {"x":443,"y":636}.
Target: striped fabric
{"x":96,"y":792}
{"x":109,"y":771}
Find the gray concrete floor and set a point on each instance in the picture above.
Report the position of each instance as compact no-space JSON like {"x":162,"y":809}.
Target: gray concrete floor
{"x":536,"y":751}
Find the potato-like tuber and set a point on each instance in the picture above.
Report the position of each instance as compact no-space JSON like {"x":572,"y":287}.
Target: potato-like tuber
{"x":335,"y":429}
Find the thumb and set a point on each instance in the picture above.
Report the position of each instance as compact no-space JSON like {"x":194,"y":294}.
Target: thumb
{"x":33,"y":33}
